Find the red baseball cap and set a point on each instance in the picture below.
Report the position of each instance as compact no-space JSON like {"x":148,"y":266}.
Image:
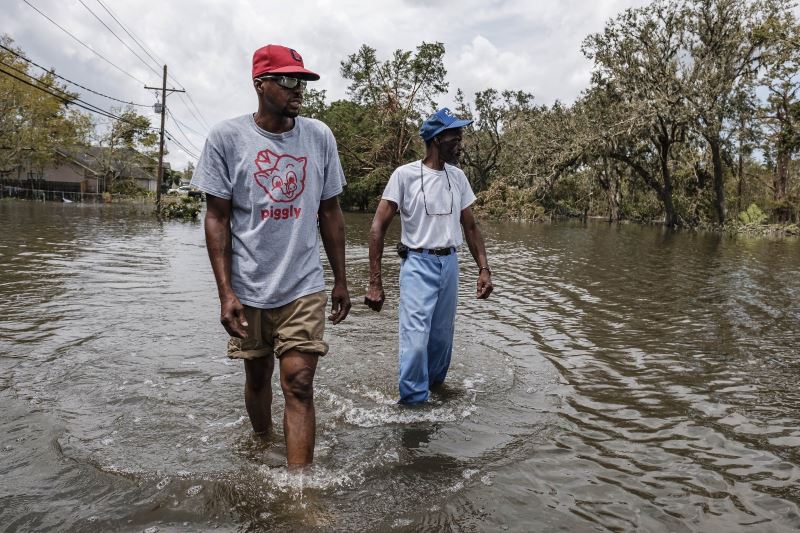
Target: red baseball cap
{"x":277,"y":59}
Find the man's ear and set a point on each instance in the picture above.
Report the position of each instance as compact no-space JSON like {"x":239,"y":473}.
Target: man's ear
{"x":257,"y":85}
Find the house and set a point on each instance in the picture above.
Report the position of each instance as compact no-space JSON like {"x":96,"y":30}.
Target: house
{"x":90,"y":169}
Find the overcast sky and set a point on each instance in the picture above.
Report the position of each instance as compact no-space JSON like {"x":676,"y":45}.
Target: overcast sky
{"x":208,"y":46}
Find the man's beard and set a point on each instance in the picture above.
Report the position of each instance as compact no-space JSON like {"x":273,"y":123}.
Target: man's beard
{"x":453,"y":159}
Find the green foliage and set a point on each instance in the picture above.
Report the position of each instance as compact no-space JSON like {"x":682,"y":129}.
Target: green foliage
{"x":376,"y":129}
{"x":509,"y":202}
{"x":184,"y":208}
{"x":484,"y":141}
{"x":129,"y":144}
{"x":171,"y":177}
{"x":187,"y":173}
{"x":753,"y":215}
{"x":35,"y":126}
{"x":667,"y":131}
{"x":33,"y":123}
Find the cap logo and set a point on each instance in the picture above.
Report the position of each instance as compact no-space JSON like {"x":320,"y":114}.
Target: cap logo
{"x":296,"y":56}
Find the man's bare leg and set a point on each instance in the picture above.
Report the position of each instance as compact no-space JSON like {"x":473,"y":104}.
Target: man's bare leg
{"x":258,"y":393}
{"x":299,"y":417}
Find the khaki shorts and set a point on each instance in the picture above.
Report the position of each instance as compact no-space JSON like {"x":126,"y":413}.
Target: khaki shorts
{"x":298,"y":325}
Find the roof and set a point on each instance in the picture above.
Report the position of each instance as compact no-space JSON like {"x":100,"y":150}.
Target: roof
{"x":91,"y":157}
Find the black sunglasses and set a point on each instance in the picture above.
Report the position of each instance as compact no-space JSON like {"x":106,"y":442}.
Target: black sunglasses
{"x":287,"y":82}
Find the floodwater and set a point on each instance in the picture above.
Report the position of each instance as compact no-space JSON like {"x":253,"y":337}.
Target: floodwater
{"x":620,"y":378}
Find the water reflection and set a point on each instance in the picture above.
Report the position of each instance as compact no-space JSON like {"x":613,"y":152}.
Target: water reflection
{"x":620,"y":377}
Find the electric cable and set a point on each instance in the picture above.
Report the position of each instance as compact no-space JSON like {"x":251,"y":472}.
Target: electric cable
{"x":117,"y":37}
{"x":84,"y":44}
{"x":177,"y":123}
{"x":68,"y":99}
{"x":10,"y":50}
{"x":201,"y":119}
{"x":177,"y":143}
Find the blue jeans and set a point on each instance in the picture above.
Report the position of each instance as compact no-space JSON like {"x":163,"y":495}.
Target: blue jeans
{"x":428,"y":299}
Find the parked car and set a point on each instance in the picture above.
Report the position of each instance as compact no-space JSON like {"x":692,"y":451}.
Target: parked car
{"x":186,"y":190}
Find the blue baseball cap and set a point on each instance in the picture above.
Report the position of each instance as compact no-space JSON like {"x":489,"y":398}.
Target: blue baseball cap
{"x":444,"y":119}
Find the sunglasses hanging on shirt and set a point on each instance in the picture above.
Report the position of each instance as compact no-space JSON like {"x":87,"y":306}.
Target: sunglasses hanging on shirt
{"x":424,"y":198}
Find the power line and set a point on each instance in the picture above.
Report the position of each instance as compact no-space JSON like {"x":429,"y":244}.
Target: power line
{"x":67,"y":80}
{"x":183,"y":147}
{"x":83,"y":43}
{"x":134,"y":38}
{"x":68,"y":99}
{"x":118,"y":38}
{"x":178,"y":124}
{"x":189,"y":109}
{"x":187,"y":151}
{"x":205,"y":122}
{"x":201,"y":120}
{"x":184,"y":124}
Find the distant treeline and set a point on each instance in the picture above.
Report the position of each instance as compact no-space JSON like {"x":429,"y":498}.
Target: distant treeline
{"x":691,"y":116}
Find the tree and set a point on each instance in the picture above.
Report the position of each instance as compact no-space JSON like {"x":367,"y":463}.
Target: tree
{"x":376,"y":129}
{"x":728,"y":42}
{"x":129,"y":143}
{"x":781,"y":111}
{"x":314,"y":103}
{"x":638,"y":61}
{"x":34,"y":122}
{"x":483,"y":141}
{"x":401,"y":91}
{"x":188,"y":172}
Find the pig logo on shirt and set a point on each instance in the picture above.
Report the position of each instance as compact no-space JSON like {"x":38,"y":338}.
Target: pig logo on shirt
{"x":282,"y":176}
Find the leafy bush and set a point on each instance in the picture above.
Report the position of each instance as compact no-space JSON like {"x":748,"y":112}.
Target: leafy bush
{"x":185,"y":208}
{"x":508,"y":202}
{"x":753,"y":215}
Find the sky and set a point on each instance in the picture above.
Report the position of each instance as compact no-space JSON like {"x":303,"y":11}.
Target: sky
{"x":208,"y":45}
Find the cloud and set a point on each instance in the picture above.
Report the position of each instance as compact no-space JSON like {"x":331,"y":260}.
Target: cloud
{"x":480,"y":65}
{"x":208,"y":45}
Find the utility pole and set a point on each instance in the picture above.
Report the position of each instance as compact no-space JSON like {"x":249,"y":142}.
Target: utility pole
{"x":164,"y":92}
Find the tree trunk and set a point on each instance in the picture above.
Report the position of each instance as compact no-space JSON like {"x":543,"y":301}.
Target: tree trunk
{"x":781,"y":175}
{"x":615,"y":199}
{"x":670,"y":216}
{"x":611,"y":186}
{"x":740,"y":185}
{"x":782,"y":211}
{"x":719,"y":180}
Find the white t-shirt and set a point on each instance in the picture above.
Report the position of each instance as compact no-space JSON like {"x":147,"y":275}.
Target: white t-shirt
{"x":430,"y":204}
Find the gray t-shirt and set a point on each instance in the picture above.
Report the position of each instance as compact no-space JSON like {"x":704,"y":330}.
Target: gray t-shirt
{"x":275,"y":183}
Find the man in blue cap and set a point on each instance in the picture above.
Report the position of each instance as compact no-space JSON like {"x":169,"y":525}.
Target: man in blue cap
{"x":433,"y":197}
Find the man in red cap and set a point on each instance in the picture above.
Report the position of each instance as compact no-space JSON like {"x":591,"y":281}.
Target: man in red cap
{"x":269,"y":177}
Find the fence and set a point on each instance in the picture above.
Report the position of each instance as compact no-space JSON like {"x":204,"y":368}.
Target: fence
{"x":43,"y":195}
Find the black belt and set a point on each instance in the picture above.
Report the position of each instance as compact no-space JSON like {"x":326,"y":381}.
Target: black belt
{"x":434,"y":251}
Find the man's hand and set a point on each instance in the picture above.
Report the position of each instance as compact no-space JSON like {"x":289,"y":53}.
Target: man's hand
{"x":485,"y":286}
{"x":340,"y":303}
{"x":375,"y":296}
{"x":232,"y":317}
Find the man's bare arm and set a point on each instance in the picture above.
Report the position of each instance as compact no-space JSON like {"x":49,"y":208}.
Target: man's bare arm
{"x":377,"y":234}
{"x":478,"y":250}
{"x":331,"y":229}
{"x":218,"y":243}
